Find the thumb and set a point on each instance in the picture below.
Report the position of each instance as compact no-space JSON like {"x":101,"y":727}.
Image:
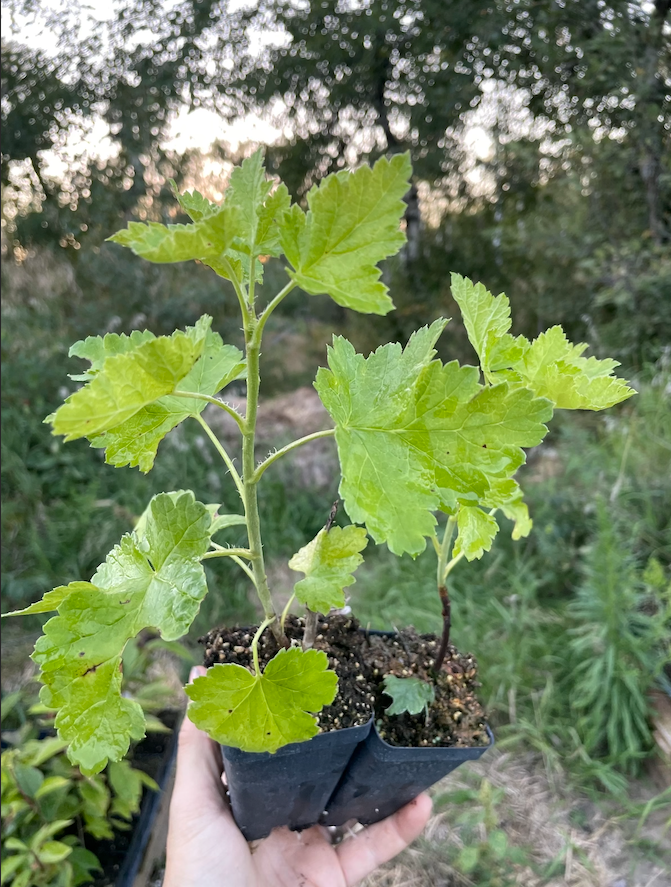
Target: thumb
{"x":198,"y":783}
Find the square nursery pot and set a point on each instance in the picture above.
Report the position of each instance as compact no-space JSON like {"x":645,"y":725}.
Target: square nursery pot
{"x":382,"y":778}
{"x":290,"y":787}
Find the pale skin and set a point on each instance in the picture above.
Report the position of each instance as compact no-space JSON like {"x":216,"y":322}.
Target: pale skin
{"x":206,"y":848}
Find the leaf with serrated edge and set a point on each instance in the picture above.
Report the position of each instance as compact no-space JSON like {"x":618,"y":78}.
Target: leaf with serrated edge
{"x":97,"y":349}
{"x":485,"y":317}
{"x":125,"y":384}
{"x":476,"y":532}
{"x":206,"y":239}
{"x":413,"y":435}
{"x":410,"y":695}
{"x":328,"y":563}
{"x":258,"y":713}
{"x":51,"y":600}
{"x":352,"y":224}
{"x":159,"y":585}
{"x":554,"y":368}
{"x":135,"y":442}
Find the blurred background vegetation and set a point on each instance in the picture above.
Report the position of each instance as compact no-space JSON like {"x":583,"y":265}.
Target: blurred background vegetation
{"x":540,"y":133}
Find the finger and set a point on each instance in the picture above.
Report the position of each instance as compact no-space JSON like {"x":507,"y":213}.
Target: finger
{"x":199,"y":766}
{"x":362,"y":854}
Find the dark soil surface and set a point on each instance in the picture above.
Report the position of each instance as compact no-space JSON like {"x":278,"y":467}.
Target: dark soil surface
{"x":361,"y":660}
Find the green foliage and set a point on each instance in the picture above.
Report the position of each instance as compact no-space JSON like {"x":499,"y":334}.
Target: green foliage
{"x":263,"y":712}
{"x":486,"y":855}
{"x":45,"y":800}
{"x":617,"y":649}
{"x":410,"y":695}
{"x":328,"y":563}
{"x":414,"y":436}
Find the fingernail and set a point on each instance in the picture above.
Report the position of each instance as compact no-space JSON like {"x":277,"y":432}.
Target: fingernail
{"x":193,"y":674}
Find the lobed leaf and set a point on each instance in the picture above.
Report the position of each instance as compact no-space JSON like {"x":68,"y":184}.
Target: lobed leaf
{"x":328,"y":562}
{"x":125,"y":384}
{"x":410,"y":695}
{"x":550,"y":366}
{"x":476,"y":532}
{"x":153,"y":578}
{"x":205,"y":239}
{"x":414,"y":435}
{"x":135,"y":442}
{"x":258,"y":713}
{"x":352,"y":224}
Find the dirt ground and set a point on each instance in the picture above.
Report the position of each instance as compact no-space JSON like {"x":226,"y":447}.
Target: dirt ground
{"x":593,"y":845}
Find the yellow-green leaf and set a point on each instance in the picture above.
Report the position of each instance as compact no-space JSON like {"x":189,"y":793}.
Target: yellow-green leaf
{"x":328,"y":563}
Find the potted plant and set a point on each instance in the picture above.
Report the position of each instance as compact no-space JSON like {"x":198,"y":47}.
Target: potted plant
{"x":415,"y":437}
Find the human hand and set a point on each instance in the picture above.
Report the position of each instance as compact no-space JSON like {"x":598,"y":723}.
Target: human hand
{"x":206,"y":848}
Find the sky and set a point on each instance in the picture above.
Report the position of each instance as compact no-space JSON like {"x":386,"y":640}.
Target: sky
{"x":196,"y":129}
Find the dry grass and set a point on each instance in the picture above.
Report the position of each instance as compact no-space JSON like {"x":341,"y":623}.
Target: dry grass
{"x":596,"y":853}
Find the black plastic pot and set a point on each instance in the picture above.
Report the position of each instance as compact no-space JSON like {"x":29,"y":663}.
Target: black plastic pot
{"x":290,"y":787}
{"x":382,"y":778}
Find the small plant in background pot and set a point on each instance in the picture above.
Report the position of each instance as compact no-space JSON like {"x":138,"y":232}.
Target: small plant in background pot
{"x":415,"y":438}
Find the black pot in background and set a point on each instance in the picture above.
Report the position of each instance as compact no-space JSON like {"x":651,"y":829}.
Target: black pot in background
{"x":290,"y":787}
{"x":382,"y":778}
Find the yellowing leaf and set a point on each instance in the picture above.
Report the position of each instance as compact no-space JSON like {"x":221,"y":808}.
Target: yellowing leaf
{"x":259,"y":713}
{"x":517,"y":511}
{"x":125,"y":384}
{"x":552,"y":367}
{"x":352,"y":224}
{"x":151,"y":579}
{"x":98,"y":348}
{"x":135,"y":441}
{"x":476,"y":532}
{"x":328,"y":563}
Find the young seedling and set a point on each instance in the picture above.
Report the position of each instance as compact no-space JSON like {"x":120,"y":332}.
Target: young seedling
{"x":414,"y":437}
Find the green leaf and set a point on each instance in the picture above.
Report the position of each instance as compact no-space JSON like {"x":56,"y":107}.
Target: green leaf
{"x":53,"y":852}
{"x":11,"y":864}
{"x":409,"y":695}
{"x":223,"y":521}
{"x":127,"y":783}
{"x":52,"y":784}
{"x":328,"y":563}
{"x":468,"y":859}
{"x":151,"y":579}
{"x":476,"y":532}
{"x":205,"y":239}
{"x":263,"y":712}
{"x":135,"y":441}
{"x":194,"y":204}
{"x":414,"y":435}
{"x":51,"y":600}
{"x":28,"y":779}
{"x":97,"y":349}
{"x":486,"y":318}
{"x":48,"y":831}
{"x":517,"y":511}
{"x":125,"y":384}
{"x":352,"y":224}
{"x":552,"y":367}
{"x":498,"y":843}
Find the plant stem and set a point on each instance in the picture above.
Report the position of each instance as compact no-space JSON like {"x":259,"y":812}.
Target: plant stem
{"x":329,"y":432}
{"x":443,"y":571}
{"x":310,"y":632}
{"x":270,"y":307}
{"x":445,"y":547}
{"x":243,"y":566}
{"x":239,"y":291}
{"x":255,"y":643}
{"x":250,"y":482}
{"x":217,"y":403}
{"x":224,"y":455}
{"x":228,"y":552}
{"x":285,"y":611}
